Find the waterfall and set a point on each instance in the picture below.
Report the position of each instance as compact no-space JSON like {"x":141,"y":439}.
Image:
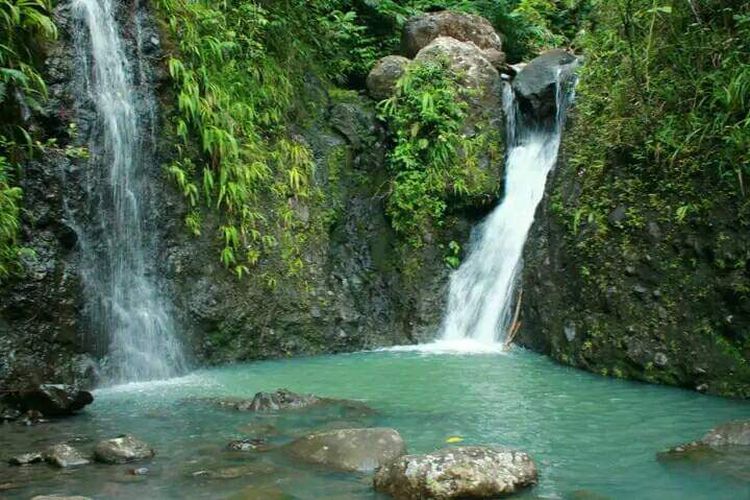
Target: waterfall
{"x":123,"y":301}
{"x":482,"y":290}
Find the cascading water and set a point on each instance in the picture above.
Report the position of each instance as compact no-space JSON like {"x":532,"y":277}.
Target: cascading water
{"x":482,"y":289}
{"x":124,"y":304}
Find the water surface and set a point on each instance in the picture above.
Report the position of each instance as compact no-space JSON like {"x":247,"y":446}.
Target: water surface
{"x":591,"y":437}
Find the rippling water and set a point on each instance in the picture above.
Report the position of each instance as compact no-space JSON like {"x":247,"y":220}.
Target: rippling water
{"x":591,"y":437}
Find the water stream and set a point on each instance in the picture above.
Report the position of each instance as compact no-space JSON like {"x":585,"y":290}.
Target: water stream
{"x":125,"y":306}
{"x":482,"y":290}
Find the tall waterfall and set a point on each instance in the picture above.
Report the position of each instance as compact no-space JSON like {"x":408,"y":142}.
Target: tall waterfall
{"x":482,"y":290}
{"x":124,"y":303}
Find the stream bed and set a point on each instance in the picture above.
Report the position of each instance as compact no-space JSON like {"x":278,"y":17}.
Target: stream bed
{"x":591,"y":437}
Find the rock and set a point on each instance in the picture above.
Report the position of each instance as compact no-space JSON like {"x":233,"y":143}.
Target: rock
{"x":64,"y":456}
{"x":26,"y":459}
{"x":381,"y":82}
{"x":51,"y":400}
{"x":660,"y":359}
{"x":121,"y":450}
{"x":730,"y":434}
{"x":354,"y":450}
{"x":59,"y":497}
{"x":536,"y":84}
{"x":282,"y":399}
{"x":249,"y":444}
{"x":254,"y":469}
{"x":461,"y":472}
{"x":140,"y":471}
{"x":476,"y":72}
{"x":421,"y":30}
{"x":9,"y":414}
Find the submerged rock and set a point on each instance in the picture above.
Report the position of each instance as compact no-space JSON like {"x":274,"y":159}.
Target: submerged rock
{"x":254,"y":469}
{"x":26,"y":458}
{"x":536,"y":84}
{"x":51,"y":400}
{"x":64,"y":456}
{"x":468,"y":471}
{"x":281,"y":399}
{"x":421,"y":30}
{"x":354,"y":450}
{"x":381,"y":82}
{"x":249,"y":444}
{"x":730,"y":434}
{"x":59,"y":497}
{"x":121,"y":450}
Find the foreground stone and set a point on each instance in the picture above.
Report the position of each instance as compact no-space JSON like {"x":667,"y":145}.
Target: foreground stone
{"x":461,"y":472}
{"x":353,"y":450}
{"x":48,"y":399}
{"x":381,"y":82}
{"x":730,"y":434}
{"x":26,"y":459}
{"x":122,"y":450}
{"x":421,"y":30}
{"x":536,"y":83}
{"x":64,"y":456}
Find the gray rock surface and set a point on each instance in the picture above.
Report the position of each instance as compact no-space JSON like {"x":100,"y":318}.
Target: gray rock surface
{"x":381,"y":82}
{"x":64,"y":456}
{"x":536,"y":84}
{"x":355,"y":450}
{"x":421,"y":30}
{"x":121,"y":450}
{"x":50,"y":400}
{"x":26,"y":458}
{"x":730,"y":434}
{"x":461,"y":472}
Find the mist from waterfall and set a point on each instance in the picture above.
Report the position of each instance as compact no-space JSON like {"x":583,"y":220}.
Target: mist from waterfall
{"x":125,"y":306}
{"x":483,"y":289}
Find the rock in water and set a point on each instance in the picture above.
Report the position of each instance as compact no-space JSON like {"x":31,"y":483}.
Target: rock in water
{"x":354,"y":450}
{"x":63,"y":456}
{"x":461,"y":472}
{"x":26,"y":459}
{"x":282,"y":399}
{"x":536,"y":83}
{"x":51,"y":400}
{"x":58,"y":497}
{"x":381,"y":82}
{"x":121,"y":450}
{"x":421,"y":30}
{"x":730,"y":434}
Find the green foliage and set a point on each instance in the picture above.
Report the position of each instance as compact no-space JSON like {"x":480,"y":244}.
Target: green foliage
{"x":24,"y":26}
{"x":431,"y":159}
{"x":238,"y":70}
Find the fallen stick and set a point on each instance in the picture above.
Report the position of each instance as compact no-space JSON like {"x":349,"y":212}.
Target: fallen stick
{"x":515,"y":325}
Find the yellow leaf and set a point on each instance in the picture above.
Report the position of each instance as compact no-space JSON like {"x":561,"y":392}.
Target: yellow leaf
{"x":454,"y":439}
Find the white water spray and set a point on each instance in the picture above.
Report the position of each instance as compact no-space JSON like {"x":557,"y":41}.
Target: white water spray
{"x":482,"y":290}
{"x":124,"y":303}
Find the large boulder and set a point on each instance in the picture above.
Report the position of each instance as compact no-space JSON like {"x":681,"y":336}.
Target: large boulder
{"x":477,"y":74}
{"x":461,"y":472}
{"x":49,"y":399}
{"x":381,"y":82}
{"x":536,"y":83}
{"x":64,"y":456}
{"x":421,"y":30}
{"x":122,"y":450}
{"x":354,"y":450}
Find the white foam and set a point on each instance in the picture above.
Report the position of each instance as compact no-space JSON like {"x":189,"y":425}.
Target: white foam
{"x":454,"y":346}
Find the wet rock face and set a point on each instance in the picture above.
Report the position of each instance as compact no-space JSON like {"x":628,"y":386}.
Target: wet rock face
{"x":536,"y":84}
{"x":282,"y":399}
{"x":121,"y":450}
{"x":64,"y":456}
{"x":462,"y":472}
{"x":50,"y":400}
{"x":354,"y":450}
{"x":421,"y":30}
{"x":381,"y":82}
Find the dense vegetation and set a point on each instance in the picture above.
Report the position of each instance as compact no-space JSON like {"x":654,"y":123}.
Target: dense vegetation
{"x":659,"y":158}
{"x":24,"y":26}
